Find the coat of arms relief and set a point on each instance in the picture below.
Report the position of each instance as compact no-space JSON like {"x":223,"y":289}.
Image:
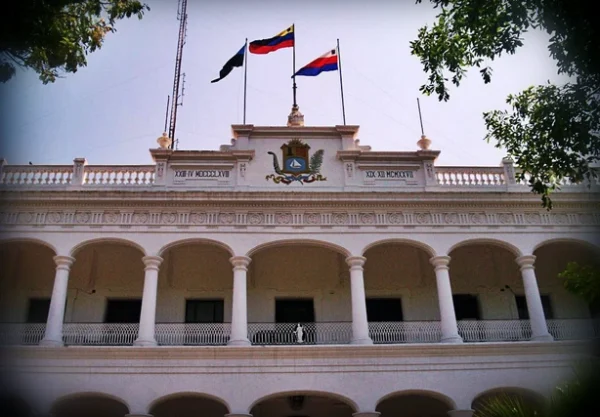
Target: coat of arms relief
{"x":297,"y":164}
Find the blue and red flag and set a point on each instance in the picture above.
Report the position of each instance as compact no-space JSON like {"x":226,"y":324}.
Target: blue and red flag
{"x":326,"y":62}
{"x":284,"y":39}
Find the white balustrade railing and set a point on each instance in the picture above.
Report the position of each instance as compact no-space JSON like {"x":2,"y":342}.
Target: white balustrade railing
{"x":122,"y":175}
{"x":105,"y":334}
{"x":21,"y":333}
{"x":405,"y":331}
{"x":323,"y":333}
{"x":200,"y":334}
{"x":42,"y":175}
{"x":470,"y":176}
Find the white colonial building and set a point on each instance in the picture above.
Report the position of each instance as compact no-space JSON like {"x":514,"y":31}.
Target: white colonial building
{"x":294,"y":272}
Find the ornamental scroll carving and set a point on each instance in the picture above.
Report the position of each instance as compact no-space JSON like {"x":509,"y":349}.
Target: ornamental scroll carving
{"x":54,"y":217}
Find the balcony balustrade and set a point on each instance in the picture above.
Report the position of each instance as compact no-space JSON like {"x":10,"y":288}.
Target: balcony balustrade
{"x":320,"y":333}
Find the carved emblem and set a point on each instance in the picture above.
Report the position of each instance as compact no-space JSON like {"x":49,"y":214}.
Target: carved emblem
{"x":297,"y":166}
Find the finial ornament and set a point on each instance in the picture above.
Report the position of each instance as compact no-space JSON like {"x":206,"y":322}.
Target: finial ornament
{"x":295,"y":118}
{"x":424,"y":142}
{"x":164,"y":141}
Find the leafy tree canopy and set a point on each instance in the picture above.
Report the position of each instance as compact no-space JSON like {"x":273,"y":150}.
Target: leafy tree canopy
{"x":551,"y":131}
{"x":582,"y":280}
{"x":54,"y":36}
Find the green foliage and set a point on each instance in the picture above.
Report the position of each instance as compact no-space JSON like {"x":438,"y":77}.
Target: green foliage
{"x":552,"y":132}
{"x":582,"y":280}
{"x":54,"y":36}
{"x":505,"y":405}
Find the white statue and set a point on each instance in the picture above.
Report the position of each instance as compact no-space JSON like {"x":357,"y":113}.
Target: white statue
{"x":299,"y":332}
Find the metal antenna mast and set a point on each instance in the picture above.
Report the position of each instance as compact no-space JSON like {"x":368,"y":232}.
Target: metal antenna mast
{"x":182,"y":17}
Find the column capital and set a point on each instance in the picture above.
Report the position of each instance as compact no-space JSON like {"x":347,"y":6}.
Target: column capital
{"x":240,"y":261}
{"x":356,"y":261}
{"x":526,"y":261}
{"x":63,"y":261}
{"x":152,"y":262}
{"x":440,"y":261}
{"x":461,"y":413}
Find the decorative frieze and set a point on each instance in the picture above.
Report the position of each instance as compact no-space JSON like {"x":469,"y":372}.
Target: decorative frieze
{"x":312,"y":218}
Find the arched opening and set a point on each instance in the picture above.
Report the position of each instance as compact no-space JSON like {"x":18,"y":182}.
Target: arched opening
{"x":89,"y":405}
{"x":414,"y":404}
{"x":27,"y":272}
{"x":513,"y":397}
{"x":14,"y":405}
{"x":552,"y":258}
{"x":486,"y":288}
{"x":303,"y":404}
{"x":295,"y":283}
{"x":195,"y":289}
{"x":105,"y":286}
{"x":189,"y":405}
{"x":401,"y":293}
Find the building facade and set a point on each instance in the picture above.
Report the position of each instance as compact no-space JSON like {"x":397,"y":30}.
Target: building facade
{"x":294,"y":272}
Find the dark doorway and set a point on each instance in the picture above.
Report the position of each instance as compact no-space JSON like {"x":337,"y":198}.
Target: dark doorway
{"x":204,"y":311}
{"x":384,"y":309}
{"x":466,"y":307}
{"x":123,"y":311}
{"x":37,"y":312}
{"x":294,"y":311}
{"x":522,"y":307}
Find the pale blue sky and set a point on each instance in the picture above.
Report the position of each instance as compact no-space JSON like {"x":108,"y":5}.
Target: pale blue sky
{"x":112,"y":111}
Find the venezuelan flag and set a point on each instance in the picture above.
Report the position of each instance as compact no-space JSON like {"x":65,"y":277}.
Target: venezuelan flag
{"x":326,"y":62}
{"x":284,"y":39}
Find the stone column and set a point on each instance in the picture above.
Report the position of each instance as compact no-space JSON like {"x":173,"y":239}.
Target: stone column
{"x":461,"y":413}
{"x":148,"y":313}
{"x":56,"y":314}
{"x":537,"y":320}
{"x":239,"y":314}
{"x":360,"y":324}
{"x":444,"y":290}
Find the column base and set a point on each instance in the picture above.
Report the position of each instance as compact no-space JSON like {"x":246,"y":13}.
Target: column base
{"x":542,"y":338}
{"x":452,"y":339}
{"x":144,"y":343}
{"x":366,"y":341}
{"x":139,"y":415}
{"x":239,"y":342}
{"x":238,"y":415}
{"x":461,"y":413}
{"x":51,"y":343}
{"x":367,"y":414}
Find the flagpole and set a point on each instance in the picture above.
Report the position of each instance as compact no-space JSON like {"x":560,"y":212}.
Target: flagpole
{"x":341,"y":83}
{"x":294,"y":64}
{"x":245,"y":76}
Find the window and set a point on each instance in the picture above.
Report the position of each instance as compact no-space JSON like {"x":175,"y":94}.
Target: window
{"x":522,"y":307}
{"x":204,"y":311}
{"x":37,"y":311}
{"x":294,"y":311}
{"x":384,"y":309}
{"x":466,"y":307}
{"x":123,"y":311}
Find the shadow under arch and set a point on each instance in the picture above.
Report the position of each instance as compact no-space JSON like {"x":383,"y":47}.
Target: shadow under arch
{"x":192,"y":241}
{"x":299,"y":242}
{"x":409,"y":242}
{"x":573,"y":241}
{"x":89,"y":403}
{"x":117,"y":240}
{"x":529,"y":395}
{"x":487,"y":241}
{"x":28,"y":240}
{"x":416,"y":392}
{"x":313,"y":393}
{"x":220,"y":406}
